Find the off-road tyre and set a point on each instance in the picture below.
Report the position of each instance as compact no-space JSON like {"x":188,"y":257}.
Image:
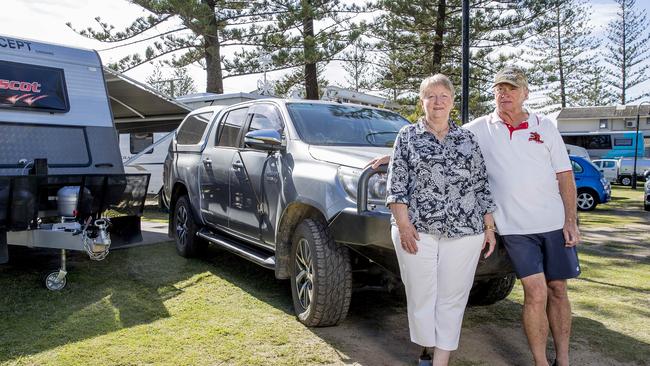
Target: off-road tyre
{"x":163,"y":202}
{"x":185,"y":228}
{"x":322,"y":269}
{"x":488,"y":292}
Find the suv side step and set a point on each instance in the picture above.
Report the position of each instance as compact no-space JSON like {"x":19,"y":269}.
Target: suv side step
{"x":254,"y":255}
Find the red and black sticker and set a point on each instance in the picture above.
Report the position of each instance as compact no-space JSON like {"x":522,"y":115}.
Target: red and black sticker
{"x":32,"y":87}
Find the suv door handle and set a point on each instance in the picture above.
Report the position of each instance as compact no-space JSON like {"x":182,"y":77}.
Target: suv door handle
{"x":207,"y":161}
{"x":237,"y":164}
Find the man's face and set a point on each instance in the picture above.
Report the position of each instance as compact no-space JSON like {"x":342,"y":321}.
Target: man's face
{"x":509,"y":98}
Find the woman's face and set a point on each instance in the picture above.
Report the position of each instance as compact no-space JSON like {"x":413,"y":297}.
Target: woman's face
{"x":437,"y":102}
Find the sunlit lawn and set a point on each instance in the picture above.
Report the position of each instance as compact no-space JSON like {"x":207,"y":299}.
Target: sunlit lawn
{"x":147,"y":305}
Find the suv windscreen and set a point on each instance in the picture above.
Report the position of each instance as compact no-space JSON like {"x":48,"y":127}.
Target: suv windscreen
{"x":333,"y":124}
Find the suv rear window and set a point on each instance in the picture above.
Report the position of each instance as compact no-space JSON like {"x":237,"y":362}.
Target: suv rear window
{"x":339,"y":124}
{"x":192,"y":130}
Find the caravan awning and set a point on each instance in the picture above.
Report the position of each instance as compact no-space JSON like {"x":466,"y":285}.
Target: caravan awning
{"x":139,"y":108}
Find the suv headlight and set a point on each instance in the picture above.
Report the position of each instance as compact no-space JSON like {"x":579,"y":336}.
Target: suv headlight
{"x":349,"y":178}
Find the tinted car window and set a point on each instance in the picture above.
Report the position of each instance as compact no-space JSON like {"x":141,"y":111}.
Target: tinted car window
{"x":192,"y":130}
{"x":333,"y":124}
{"x":232,"y":123}
{"x":265,"y":116}
{"x":577,"y":168}
{"x":140,"y":141}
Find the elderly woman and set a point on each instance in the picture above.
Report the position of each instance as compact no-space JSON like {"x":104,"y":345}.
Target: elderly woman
{"x":442,"y":219}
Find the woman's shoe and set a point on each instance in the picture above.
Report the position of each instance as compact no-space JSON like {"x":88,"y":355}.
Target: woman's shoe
{"x":425,"y":358}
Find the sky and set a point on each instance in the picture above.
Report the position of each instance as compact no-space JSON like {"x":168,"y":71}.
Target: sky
{"x":45,"y":20}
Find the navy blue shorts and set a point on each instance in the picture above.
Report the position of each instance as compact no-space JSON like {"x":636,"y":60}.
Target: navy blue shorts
{"x":542,"y":253}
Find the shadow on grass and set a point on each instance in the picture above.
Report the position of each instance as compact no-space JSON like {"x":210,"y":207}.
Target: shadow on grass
{"x":131,"y":286}
{"x":125,"y":290}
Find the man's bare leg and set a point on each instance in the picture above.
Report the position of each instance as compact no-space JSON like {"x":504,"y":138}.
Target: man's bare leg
{"x":534,"y":316}
{"x":559,"y":317}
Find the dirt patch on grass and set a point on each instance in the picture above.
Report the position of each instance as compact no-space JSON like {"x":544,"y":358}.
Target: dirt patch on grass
{"x":377,"y":334}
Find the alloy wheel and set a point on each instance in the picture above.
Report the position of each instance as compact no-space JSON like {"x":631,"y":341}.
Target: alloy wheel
{"x":181,"y":225}
{"x":585,"y":201}
{"x":304,"y":273}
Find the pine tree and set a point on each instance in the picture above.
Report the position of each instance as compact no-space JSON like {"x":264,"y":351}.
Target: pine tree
{"x":628,"y":50}
{"x":596,"y":92}
{"x":174,"y":85}
{"x":357,"y":65}
{"x":421,"y":38}
{"x":301,"y":34}
{"x":563,"y":56}
{"x":197,"y":29}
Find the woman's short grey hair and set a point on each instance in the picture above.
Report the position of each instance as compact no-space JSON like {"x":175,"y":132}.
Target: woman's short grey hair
{"x":437,"y":79}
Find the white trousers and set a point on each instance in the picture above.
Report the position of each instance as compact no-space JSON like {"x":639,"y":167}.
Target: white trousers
{"x":438,"y":279}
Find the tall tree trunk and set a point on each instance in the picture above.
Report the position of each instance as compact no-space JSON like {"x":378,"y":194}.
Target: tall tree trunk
{"x":309,"y":45}
{"x":441,"y":16}
{"x":624,"y":54}
{"x":559,"y":54}
{"x":212,"y":50}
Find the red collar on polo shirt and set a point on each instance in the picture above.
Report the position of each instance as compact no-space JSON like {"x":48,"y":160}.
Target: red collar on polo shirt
{"x":522,"y":126}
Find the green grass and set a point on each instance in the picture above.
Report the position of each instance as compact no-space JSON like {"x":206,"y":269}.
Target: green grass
{"x":625,"y":207}
{"x":147,"y":305}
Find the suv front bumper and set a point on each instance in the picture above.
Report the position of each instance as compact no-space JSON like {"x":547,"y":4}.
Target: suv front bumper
{"x":368,"y":234}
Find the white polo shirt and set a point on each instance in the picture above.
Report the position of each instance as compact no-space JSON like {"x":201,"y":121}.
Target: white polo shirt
{"x":522,"y":164}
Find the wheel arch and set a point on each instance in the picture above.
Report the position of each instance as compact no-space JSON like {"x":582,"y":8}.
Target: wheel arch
{"x":292,"y":215}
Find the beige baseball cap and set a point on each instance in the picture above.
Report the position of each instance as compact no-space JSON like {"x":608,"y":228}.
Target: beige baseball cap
{"x":511,"y":75}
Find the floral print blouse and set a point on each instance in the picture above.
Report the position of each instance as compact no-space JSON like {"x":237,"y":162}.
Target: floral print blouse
{"x":443,"y":183}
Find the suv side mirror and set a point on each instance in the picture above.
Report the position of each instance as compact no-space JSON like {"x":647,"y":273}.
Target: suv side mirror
{"x":269,"y":140}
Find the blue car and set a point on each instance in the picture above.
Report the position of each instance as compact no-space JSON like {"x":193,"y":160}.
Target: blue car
{"x":592,"y":188}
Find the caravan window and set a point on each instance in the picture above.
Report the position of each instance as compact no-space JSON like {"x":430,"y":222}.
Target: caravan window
{"x":33,"y":87}
{"x":191,"y":131}
{"x":141,"y":141}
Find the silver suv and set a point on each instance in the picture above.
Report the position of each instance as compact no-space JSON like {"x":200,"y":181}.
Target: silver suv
{"x":283,"y":183}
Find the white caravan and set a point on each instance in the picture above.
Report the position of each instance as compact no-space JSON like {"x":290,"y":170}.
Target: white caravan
{"x":60,"y":166}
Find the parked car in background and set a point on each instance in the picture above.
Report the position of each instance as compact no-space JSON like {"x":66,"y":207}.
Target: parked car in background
{"x":283,"y":184}
{"x":592,"y":188}
{"x":609,"y":168}
{"x":577,"y":151}
{"x":625,"y":168}
{"x":646,"y":193}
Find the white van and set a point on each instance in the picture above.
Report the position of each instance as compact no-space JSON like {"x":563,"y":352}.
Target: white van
{"x":61,"y":172}
{"x":145,"y":152}
{"x":609,"y":168}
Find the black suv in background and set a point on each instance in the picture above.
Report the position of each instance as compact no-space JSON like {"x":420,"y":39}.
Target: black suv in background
{"x":282,"y":183}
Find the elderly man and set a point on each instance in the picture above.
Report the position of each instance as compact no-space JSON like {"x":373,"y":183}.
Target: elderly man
{"x":532,"y":182}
